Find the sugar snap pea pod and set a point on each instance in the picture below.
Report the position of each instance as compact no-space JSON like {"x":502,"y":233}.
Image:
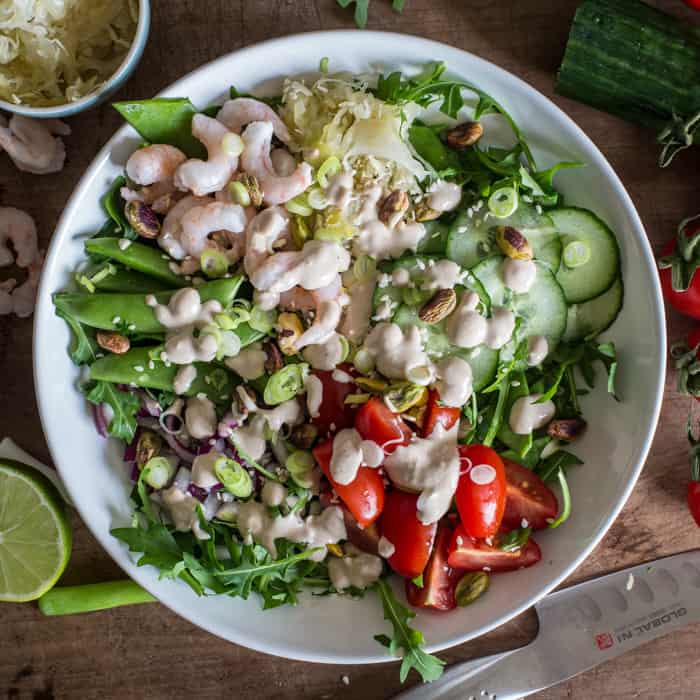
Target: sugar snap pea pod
{"x":112,"y":312}
{"x":109,"y":277}
{"x":138,"y":367}
{"x":248,"y":335}
{"x":137,"y":256}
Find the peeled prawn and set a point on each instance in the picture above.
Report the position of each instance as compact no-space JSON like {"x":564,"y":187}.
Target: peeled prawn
{"x":199,"y":222}
{"x":204,"y":177}
{"x":20,"y":299}
{"x":155,"y":163}
{"x":235,"y":114}
{"x":19,"y":228}
{"x":255,"y":160}
{"x":31,"y":145}
{"x":263,"y":232}
{"x":171,"y":231}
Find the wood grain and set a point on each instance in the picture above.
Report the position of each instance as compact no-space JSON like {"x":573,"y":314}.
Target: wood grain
{"x":148,"y":652}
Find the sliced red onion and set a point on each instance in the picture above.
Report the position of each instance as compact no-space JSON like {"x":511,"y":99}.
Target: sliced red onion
{"x":199,"y":493}
{"x":135,"y":472}
{"x":179,"y":449}
{"x":130,"y":449}
{"x":148,"y":422}
{"x":171,"y":423}
{"x":98,"y":416}
{"x":151,"y":406}
{"x":227,"y":425}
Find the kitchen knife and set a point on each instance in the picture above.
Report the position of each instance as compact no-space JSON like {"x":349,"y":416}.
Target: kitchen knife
{"x":580,"y":627}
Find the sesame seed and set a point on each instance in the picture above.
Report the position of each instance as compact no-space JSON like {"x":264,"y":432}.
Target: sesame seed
{"x":138,"y":368}
{"x":487,"y":568}
{"x":116,"y":320}
{"x":346,"y":680}
{"x":201,"y":396}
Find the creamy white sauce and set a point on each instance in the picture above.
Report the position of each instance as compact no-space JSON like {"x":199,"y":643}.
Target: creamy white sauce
{"x":326,"y":355}
{"x":273,"y":493}
{"x":537,"y":349}
{"x":251,"y":438}
{"x":355,"y":322}
{"x":385,"y":548}
{"x":444,"y":196}
{"x":359,"y":571}
{"x":254,"y":521}
{"x":184,"y":378}
{"x":400,"y":277}
{"x":399,"y":354}
{"x":466,"y":327}
{"x":381,"y":242}
{"x":441,"y":274}
{"x":203,"y":469}
{"x":182,"y":348}
{"x":200,"y":417}
{"x":182,"y":508}
{"x":500,"y":327}
{"x":350,"y":451}
{"x":527,"y":415}
{"x":429,"y":466}
{"x":341,"y":377}
{"x":314,"y":394}
{"x":519,"y":275}
{"x":339,"y":192}
{"x":249,"y":363}
{"x":455,"y":381}
{"x":385,"y":309}
{"x":482,"y":474}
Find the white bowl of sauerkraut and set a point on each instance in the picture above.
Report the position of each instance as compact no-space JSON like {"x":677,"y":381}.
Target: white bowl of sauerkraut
{"x":58,"y":58}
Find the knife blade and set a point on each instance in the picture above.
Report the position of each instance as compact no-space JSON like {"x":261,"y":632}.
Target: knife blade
{"x":581,"y":627}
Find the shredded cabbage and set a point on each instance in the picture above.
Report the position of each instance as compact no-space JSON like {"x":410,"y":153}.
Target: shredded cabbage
{"x":58,"y":51}
{"x":338,"y":116}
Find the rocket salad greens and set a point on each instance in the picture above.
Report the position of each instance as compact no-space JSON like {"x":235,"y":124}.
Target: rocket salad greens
{"x":341,"y":338}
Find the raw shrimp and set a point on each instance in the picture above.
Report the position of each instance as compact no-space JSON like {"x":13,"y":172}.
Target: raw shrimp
{"x":31,"y":145}
{"x":255,"y":160}
{"x":327,"y":304}
{"x":20,"y":300}
{"x":199,"y":222}
{"x":171,"y":232}
{"x":235,"y":114}
{"x":204,"y":177}
{"x":19,"y":228}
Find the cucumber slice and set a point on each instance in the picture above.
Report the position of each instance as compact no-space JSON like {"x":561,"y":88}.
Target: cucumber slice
{"x":542,"y":310}
{"x":435,"y":240}
{"x":589,"y":319}
{"x":473,"y":238}
{"x":597,"y":274}
{"x":482,"y":360}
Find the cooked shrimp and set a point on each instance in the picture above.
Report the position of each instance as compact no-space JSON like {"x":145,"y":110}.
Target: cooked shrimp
{"x":262,"y":233}
{"x":171,"y":232}
{"x":204,"y":177}
{"x":19,"y":228}
{"x":155,"y":163}
{"x":255,"y":160}
{"x":20,"y":299}
{"x":31,"y":145}
{"x":199,"y":222}
{"x":283,"y":161}
{"x":235,"y":114}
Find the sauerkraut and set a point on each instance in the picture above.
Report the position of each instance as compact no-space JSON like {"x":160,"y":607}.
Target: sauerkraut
{"x":57,"y":51}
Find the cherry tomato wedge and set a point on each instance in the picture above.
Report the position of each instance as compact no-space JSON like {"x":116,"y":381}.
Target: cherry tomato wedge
{"x":364,"y":496}
{"x":333,"y":413}
{"x":694,"y":500}
{"x":528,"y":498}
{"x":374,"y":421}
{"x":474,"y":555}
{"x":436,"y":414}
{"x":364,"y":538}
{"x":481,"y":491}
{"x":412,"y":540}
{"x":695,"y":4}
{"x":688,"y":301}
{"x":439,"y":580}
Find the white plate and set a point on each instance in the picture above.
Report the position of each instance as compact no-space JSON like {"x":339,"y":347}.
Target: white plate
{"x":334,"y":629}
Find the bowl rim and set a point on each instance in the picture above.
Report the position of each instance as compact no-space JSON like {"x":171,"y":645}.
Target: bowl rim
{"x":647,"y":261}
{"x":113,"y":82}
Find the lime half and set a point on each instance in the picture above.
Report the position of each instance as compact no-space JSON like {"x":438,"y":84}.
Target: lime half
{"x":35,"y":537}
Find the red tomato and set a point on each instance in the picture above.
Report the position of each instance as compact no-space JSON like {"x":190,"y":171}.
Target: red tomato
{"x":474,"y":555}
{"x":480,"y":505}
{"x":435,"y":413}
{"x":364,"y":538}
{"x":439,"y":580}
{"x":527,"y":497}
{"x":412,"y":540}
{"x":687,"y":302}
{"x":364,"y":496}
{"x":694,"y":500}
{"x":374,"y":421}
{"x":334,"y":413}
{"x":695,"y":4}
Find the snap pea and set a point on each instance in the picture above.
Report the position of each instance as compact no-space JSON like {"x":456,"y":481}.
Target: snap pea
{"x":430,"y":148}
{"x":112,"y":312}
{"x":248,"y":335}
{"x":137,"y":256}
{"x":164,"y":120}
{"x":108,"y":277}
{"x":113,"y":204}
{"x":137,"y":367}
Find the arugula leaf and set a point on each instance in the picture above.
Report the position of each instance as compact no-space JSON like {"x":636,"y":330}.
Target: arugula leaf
{"x":515,"y":539}
{"x":566,"y":498}
{"x":83,"y":346}
{"x":607,"y":355}
{"x":405,"y":638}
{"x":123,"y":404}
{"x":156,"y":543}
{"x":559,"y":461}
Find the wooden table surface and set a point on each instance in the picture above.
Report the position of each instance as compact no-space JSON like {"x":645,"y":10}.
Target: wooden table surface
{"x":148,"y":652}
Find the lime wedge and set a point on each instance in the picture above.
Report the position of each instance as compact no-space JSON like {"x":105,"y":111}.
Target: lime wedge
{"x":35,"y":537}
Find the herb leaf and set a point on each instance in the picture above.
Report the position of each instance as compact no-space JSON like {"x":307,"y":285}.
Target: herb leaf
{"x":83,"y":346}
{"x":406,"y":638}
{"x":123,"y":404}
